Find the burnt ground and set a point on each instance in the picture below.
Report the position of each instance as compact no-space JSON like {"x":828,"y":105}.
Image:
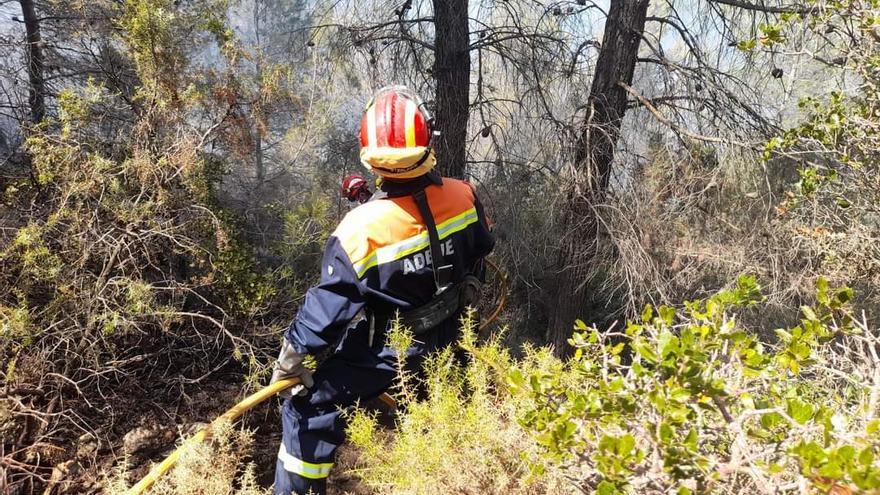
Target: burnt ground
{"x":265,"y":420}
{"x":147,"y":430}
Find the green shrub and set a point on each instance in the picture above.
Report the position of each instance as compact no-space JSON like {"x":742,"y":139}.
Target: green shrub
{"x":831,"y":211}
{"x":461,"y":438}
{"x":684,"y":400}
{"x":123,"y":266}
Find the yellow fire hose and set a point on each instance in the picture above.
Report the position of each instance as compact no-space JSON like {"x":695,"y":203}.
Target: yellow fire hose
{"x":265,"y":393}
{"x":231,"y":415}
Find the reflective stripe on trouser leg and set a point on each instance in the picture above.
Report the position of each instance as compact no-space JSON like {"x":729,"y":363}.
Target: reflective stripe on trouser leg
{"x":294,"y":484}
{"x":312,"y":425}
{"x":305,"y":469}
{"x":307,"y":434}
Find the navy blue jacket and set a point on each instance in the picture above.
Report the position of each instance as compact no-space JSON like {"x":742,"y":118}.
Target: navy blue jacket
{"x":379,"y":257}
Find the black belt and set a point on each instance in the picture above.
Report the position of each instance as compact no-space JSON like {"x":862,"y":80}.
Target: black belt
{"x":439,"y":309}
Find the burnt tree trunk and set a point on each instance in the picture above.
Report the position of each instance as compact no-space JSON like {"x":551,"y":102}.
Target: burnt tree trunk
{"x":37,"y":90}
{"x":452,"y":68}
{"x":589,"y":178}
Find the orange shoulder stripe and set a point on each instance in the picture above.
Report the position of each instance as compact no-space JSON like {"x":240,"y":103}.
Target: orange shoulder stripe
{"x":385,"y":223}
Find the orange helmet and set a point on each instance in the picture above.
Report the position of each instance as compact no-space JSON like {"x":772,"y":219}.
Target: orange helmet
{"x":396,"y":134}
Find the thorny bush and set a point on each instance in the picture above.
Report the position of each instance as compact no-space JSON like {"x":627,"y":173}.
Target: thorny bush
{"x":123,"y":278}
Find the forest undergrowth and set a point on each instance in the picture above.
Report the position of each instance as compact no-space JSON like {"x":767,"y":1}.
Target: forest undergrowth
{"x":682,"y":400}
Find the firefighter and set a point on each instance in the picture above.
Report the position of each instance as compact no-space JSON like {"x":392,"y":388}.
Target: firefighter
{"x":355,"y":189}
{"x":414,"y":250}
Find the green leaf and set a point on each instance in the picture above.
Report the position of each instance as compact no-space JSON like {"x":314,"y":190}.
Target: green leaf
{"x":536,"y":469}
{"x":644,"y":350}
{"x":666,"y":432}
{"x":626,"y":444}
{"x":647,"y":314}
{"x":535,"y":383}
{"x":638,"y":369}
{"x":808,"y":312}
{"x":844,"y":295}
{"x":545,"y":439}
{"x":632,"y":329}
{"x":667,"y":343}
{"x":770,"y":420}
{"x":783,"y":335}
{"x":667,"y":314}
{"x":691,"y":440}
{"x":680,"y":395}
{"x":515,"y":378}
{"x":688,"y":338}
{"x":832,"y":470}
{"x":800,"y":411}
{"x":616,"y":385}
{"x":568,"y":430}
{"x":822,"y":291}
{"x":746,"y":45}
{"x":606,"y":488}
{"x":810,"y":454}
{"x":794,"y":366}
{"x":608,"y":443}
{"x":748,"y":290}
{"x":846,"y":453}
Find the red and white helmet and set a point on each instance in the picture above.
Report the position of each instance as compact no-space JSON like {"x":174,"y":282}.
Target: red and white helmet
{"x":352,"y":186}
{"x":396,"y":134}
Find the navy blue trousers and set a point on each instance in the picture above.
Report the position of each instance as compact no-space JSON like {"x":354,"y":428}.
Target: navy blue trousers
{"x":313,"y":427}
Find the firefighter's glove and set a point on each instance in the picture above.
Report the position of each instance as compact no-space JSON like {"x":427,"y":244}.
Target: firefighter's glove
{"x":290,"y":365}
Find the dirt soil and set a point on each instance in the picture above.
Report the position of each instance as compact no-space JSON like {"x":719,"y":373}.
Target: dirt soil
{"x":147,"y":430}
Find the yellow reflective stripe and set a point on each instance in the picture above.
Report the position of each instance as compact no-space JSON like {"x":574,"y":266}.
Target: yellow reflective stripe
{"x":305,"y":469}
{"x":416,"y":243}
{"x":410,"y":123}
{"x":457,"y":223}
{"x":371,"y":127}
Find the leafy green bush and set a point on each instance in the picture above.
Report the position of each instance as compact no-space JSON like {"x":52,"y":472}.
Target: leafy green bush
{"x":684,"y":400}
{"x":831,"y":211}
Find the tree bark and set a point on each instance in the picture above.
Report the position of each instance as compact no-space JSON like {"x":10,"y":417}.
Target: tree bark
{"x":258,"y":132}
{"x":589,"y":178}
{"x":37,"y":90}
{"x":452,"y":67}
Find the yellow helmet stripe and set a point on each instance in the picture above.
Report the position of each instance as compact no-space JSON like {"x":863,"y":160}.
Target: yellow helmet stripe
{"x":410,"y":123}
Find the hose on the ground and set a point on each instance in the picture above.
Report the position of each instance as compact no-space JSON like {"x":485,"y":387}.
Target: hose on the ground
{"x":263,"y":394}
{"x":205,"y":433}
